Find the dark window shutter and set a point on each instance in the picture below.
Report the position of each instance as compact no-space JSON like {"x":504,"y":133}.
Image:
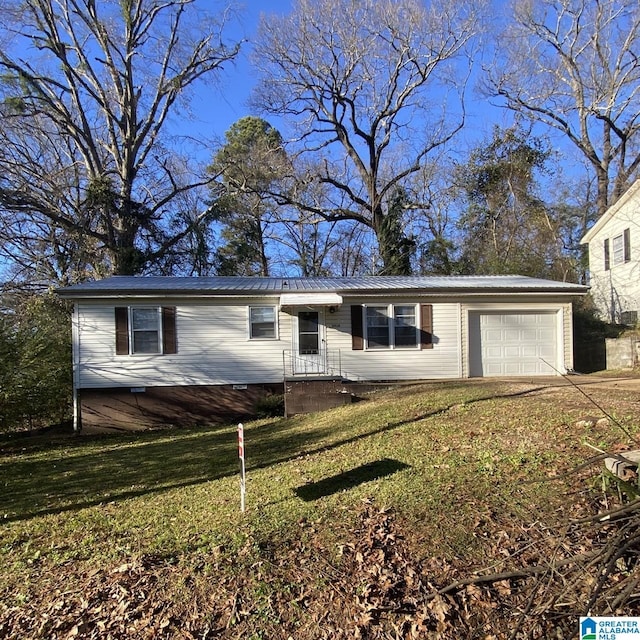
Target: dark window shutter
{"x":607,"y":257}
{"x":627,"y":245}
{"x":357,"y":334}
{"x":169,"y":330}
{"x":426,"y":326}
{"x":122,"y":331}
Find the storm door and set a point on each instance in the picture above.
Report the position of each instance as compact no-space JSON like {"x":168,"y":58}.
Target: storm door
{"x":310,"y":355}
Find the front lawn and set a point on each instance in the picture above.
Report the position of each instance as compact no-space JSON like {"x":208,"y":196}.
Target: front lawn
{"x":141,"y":535}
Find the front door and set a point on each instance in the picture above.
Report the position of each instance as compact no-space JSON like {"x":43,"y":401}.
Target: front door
{"x":310,"y":354}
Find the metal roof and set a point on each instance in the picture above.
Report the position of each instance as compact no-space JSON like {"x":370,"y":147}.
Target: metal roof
{"x":245,"y":286}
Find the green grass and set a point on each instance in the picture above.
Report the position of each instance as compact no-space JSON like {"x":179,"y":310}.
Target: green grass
{"x":468,"y":458}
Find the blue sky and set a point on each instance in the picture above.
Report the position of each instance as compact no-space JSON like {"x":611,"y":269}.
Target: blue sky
{"x":217,"y":108}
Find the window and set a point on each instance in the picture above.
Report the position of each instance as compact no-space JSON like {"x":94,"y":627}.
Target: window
{"x":391,"y":326}
{"x":405,"y":334}
{"x":629,"y":318}
{"x":145,"y":330}
{"x":262,"y":323}
{"x":377,"y":328}
{"x":620,"y":250}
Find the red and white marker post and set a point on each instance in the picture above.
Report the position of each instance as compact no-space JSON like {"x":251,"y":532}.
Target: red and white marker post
{"x":242,"y":468}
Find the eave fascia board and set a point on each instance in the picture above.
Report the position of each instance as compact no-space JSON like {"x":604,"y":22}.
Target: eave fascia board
{"x":611,"y":212}
{"x":405,"y":293}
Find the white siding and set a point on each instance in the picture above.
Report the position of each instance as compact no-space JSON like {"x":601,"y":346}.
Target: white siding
{"x":213,"y":348}
{"x":618,"y":288}
{"x":443,"y":361}
{"x":567,"y":329}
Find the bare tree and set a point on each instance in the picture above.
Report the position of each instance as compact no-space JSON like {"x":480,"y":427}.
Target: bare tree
{"x":573,"y":65}
{"x":370,"y":85}
{"x":433,"y":222}
{"x":86,"y":95}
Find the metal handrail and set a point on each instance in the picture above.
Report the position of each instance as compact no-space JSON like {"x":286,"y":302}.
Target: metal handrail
{"x":325,"y":362}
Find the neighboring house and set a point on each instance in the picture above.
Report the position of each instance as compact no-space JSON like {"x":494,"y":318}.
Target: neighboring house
{"x":614,"y":259}
{"x":150,"y":350}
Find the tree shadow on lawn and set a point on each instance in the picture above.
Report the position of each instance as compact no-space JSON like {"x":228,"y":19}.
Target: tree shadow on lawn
{"x":58,"y":483}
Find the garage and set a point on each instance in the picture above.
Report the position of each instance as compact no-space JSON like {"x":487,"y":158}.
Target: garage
{"x":514,"y":343}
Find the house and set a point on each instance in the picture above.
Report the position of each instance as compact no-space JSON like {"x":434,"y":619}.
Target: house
{"x":614,"y":260}
{"x":151,"y":350}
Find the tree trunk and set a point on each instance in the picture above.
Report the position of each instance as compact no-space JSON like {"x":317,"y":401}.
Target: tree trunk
{"x":394,"y":247}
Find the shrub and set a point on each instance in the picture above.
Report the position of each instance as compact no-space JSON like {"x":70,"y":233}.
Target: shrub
{"x":270,"y":406}
{"x":35,"y":362}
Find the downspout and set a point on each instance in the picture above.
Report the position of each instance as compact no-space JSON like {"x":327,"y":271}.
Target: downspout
{"x":75,"y":356}
{"x":612,"y":300}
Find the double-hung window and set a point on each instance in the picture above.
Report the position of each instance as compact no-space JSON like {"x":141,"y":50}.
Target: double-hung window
{"x":392,"y":326}
{"x":262,"y":323}
{"x":145,"y":330}
{"x":378,"y":328}
{"x":621,"y":245}
{"x":405,"y":326}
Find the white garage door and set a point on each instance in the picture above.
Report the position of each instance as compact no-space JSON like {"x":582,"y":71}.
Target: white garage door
{"x":512,"y":344}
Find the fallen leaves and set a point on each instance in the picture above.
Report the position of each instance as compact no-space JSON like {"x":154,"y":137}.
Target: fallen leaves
{"x":370,"y":585}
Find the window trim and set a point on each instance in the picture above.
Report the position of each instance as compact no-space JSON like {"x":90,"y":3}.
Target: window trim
{"x":157,"y":330}
{"x":617,"y":249}
{"x":274,"y":309}
{"x":416,"y":325}
{"x":391,"y":326}
{"x":166,"y":330}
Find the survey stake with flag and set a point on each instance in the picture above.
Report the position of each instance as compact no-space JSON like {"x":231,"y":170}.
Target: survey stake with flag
{"x":242,"y":467}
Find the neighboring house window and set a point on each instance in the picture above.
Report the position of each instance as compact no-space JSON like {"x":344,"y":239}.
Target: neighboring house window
{"x":629,"y":318}
{"x":386,"y":326}
{"x":607,"y":255}
{"x":262,"y":323}
{"x":622,"y":247}
{"x":145,"y":330}
{"x":618,"y":249}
